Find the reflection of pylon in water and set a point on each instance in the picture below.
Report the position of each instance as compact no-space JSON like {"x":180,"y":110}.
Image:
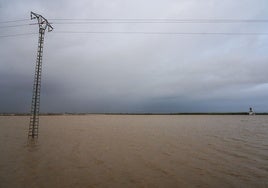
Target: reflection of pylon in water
{"x":34,"y":120}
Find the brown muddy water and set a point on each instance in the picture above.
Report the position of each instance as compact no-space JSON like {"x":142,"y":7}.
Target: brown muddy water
{"x":135,"y":151}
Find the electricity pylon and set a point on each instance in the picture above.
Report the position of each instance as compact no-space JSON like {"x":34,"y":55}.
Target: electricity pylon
{"x":34,"y":120}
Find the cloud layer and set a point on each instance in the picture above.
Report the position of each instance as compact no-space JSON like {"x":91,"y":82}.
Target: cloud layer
{"x":137,"y":72}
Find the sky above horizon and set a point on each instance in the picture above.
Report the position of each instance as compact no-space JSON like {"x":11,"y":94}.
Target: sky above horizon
{"x":95,"y":69}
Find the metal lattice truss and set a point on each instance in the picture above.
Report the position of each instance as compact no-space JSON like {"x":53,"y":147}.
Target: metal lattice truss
{"x":34,"y":119}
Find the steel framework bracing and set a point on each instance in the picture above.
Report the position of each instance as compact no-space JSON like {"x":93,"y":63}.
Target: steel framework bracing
{"x":34,"y":119}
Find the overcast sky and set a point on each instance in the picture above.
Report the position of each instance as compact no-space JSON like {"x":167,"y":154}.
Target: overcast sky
{"x":136,"y":72}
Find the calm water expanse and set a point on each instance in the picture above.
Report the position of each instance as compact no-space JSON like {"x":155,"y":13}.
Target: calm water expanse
{"x":135,"y":151}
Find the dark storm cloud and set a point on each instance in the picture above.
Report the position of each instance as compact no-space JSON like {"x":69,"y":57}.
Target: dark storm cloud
{"x":137,"y":73}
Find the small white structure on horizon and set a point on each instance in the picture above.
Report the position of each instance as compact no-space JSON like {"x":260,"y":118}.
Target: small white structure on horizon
{"x":251,"y":112}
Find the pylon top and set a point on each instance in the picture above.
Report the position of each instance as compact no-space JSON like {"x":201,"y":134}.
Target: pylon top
{"x":42,"y":22}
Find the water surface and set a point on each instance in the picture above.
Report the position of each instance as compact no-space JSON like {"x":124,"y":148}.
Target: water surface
{"x":135,"y":151}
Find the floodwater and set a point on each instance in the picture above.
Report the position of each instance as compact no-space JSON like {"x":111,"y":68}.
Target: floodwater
{"x":135,"y":151}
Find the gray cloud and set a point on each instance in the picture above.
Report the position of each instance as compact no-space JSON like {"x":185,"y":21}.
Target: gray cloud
{"x":137,"y":73}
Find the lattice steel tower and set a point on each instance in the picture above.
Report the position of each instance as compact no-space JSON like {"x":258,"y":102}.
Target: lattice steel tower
{"x":34,"y":120}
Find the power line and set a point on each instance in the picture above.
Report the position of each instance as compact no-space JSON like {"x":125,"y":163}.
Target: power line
{"x":159,"y":21}
{"x":158,"y":33}
{"x":115,"y":22}
{"x":144,"y":20}
{"x":139,"y":33}
{"x":17,"y":35}
{"x":19,"y":25}
{"x":12,"y":21}
{"x":138,"y":21}
{"x":167,"y":20}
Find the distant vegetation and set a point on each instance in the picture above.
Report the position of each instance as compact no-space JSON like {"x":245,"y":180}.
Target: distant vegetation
{"x":184,"y":113}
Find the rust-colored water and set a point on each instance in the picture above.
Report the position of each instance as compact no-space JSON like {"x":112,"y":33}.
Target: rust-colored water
{"x":135,"y":151}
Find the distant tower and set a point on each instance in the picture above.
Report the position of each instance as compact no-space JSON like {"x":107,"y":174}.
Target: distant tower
{"x":34,"y":120}
{"x":251,"y":112}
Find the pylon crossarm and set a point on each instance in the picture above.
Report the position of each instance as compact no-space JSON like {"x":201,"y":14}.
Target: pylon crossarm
{"x":42,"y":22}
